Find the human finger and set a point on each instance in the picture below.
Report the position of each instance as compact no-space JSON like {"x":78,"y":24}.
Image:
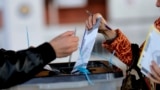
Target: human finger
{"x":90,"y":21}
{"x":156,"y":67}
{"x":153,"y":79}
{"x":154,"y":73}
{"x":87,"y":25}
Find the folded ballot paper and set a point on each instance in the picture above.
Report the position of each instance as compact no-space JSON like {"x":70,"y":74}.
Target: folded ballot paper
{"x":86,"y":47}
{"x":151,"y":51}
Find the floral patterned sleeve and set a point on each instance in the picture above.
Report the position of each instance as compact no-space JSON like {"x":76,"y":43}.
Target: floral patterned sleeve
{"x":122,"y":47}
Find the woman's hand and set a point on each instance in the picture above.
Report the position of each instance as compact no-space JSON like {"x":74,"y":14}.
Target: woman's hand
{"x":155,"y":73}
{"x":103,"y":28}
{"x":92,"y":20}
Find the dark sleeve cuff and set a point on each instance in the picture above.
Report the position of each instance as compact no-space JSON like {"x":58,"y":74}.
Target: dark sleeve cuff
{"x":47,"y":52}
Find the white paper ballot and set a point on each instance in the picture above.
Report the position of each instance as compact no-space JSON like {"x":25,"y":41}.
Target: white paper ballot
{"x":86,"y":46}
{"x":151,"y":51}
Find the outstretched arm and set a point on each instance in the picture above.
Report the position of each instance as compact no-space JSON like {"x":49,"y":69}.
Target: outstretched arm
{"x":17,"y":67}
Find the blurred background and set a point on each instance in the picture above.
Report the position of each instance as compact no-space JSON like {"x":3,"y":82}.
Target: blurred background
{"x":25,"y":23}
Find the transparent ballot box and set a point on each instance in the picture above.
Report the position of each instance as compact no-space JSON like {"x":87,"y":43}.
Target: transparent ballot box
{"x":103,"y":76}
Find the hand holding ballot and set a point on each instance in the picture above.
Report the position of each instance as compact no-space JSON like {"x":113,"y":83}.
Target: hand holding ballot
{"x":86,"y":47}
{"x":94,"y":24}
{"x":104,"y":29}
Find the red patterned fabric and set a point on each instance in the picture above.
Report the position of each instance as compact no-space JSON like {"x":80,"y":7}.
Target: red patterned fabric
{"x":122,"y":47}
